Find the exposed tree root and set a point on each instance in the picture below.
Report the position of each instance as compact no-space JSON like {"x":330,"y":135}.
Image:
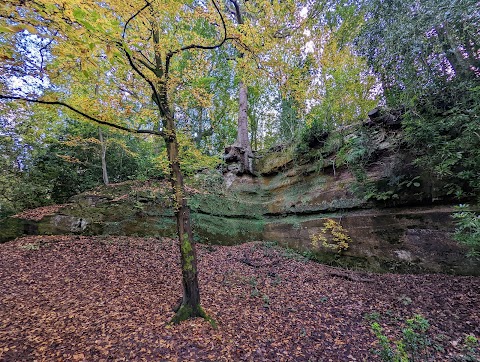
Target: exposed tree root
{"x":186,"y":312}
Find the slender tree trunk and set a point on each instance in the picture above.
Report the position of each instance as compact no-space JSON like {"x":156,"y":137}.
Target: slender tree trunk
{"x":190,"y":306}
{"x":191,"y":295}
{"x":103,"y":154}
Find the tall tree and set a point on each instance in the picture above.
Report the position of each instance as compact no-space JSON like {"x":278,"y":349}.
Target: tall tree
{"x":241,"y":149}
{"x":159,"y":41}
{"x":270,"y":35}
{"x":103,"y":147}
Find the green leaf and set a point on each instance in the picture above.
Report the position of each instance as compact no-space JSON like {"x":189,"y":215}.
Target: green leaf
{"x":79,"y":14}
{"x":6,"y":29}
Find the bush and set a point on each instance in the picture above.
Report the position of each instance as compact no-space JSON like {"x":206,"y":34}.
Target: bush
{"x":467,"y":229}
{"x":340,"y":240}
{"x":413,"y":346}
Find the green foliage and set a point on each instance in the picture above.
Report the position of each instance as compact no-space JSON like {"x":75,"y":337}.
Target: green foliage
{"x":289,"y":120}
{"x":356,"y":152}
{"x":210,"y":180}
{"x":447,"y":143}
{"x":45,"y":163}
{"x":312,"y":136}
{"x":346,"y":95}
{"x":388,"y":189}
{"x":413,"y":346}
{"x":192,"y":159}
{"x":426,"y":56}
{"x":470,"y":349}
{"x":467,"y":229}
{"x":471,"y":342}
{"x":417,"y":48}
{"x":373,"y":316}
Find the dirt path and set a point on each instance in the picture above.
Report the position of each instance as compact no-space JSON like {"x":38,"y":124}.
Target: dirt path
{"x":110,"y":299}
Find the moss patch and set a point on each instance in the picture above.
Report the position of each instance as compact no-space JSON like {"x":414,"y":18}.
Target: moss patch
{"x":226,"y":231}
{"x":186,"y":312}
{"x":220,"y":205}
{"x":274,"y":162}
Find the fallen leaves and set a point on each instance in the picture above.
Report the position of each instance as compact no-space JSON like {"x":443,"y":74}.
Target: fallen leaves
{"x":39,"y":213}
{"x":110,"y":298}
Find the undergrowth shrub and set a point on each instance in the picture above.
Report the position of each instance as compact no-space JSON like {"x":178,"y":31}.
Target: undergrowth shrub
{"x":446,"y":141}
{"x":312,"y":136}
{"x":467,"y":229}
{"x":340,"y":240}
{"x":413,"y":346}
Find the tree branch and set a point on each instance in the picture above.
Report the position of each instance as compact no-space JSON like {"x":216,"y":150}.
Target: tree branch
{"x":124,"y":33}
{"x":156,"y":96}
{"x":197,"y":46}
{"x":83,"y":114}
{"x":145,"y":64}
{"x":133,"y":17}
{"x":146,"y":58}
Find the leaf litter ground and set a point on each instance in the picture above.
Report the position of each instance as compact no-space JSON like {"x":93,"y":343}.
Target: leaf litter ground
{"x":71,"y":298}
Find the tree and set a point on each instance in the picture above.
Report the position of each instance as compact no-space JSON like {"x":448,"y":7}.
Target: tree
{"x":241,"y":149}
{"x":270,"y":35}
{"x":426,"y":54}
{"x":419,"y":48}
{"x":157,"y":41}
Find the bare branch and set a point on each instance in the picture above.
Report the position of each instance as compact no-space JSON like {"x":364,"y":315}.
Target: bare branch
{"x":238,"y":13}
{"x":146,"y":58}
{"x":44,"y":48}
{"x":83,"y":114}
{"x":133,"y":17}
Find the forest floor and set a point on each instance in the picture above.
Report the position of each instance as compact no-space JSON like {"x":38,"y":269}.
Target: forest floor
{"x":70,"y":298}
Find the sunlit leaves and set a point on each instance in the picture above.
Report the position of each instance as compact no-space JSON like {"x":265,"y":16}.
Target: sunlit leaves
{"x":191,"y":159}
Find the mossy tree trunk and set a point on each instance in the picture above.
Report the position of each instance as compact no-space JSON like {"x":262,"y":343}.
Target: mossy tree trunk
{"x":190,"y":306}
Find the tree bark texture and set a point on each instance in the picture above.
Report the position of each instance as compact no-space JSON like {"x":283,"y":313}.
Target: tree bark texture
{"x":190,"y":306}
{"x":103,"y":156}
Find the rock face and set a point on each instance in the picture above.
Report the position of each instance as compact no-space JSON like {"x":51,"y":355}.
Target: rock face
{"x":407,"y":238}
{"x":289,"y":201}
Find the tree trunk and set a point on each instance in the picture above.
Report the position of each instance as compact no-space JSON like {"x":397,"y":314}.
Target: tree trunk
{"x":190,"y":306}
{"x":191,"y":291}
{"x":242,"y":127}
{"x":241,"y":151}
{"x":103,"y":154}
